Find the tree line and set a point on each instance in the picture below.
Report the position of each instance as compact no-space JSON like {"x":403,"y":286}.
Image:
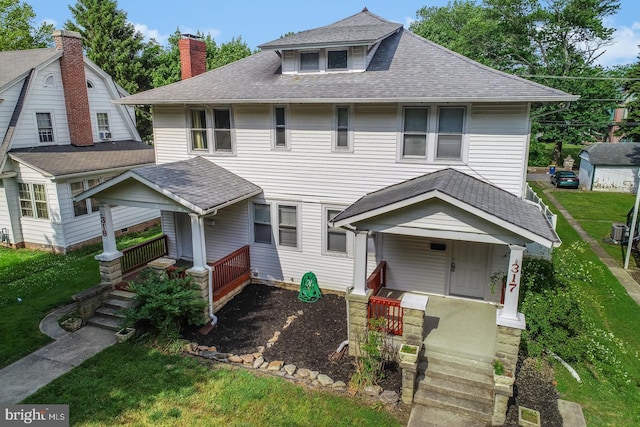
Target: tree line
{"x":553,"y":42}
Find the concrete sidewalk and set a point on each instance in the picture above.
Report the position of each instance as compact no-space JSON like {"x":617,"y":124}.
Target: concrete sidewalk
{"x":27,"y":375}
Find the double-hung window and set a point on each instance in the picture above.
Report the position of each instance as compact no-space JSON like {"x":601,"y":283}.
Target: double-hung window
{"x":288,"y":225}
{"x":222,"y":130}
{"x":198,"y":125}
{"x":33,"y":201}
{"x":450,"y":133}
{"x":45,"y":127}
{"x":336,"y":237}
{"x":414,"y":137}
{"x":262,"y":223}
{"x":343,"y":119}
{"x":280,"y":139}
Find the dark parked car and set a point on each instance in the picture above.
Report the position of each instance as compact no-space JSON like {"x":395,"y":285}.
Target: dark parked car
{"x":565,"y":179}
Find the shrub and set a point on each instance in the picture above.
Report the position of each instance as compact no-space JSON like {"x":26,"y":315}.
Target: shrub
{"x":375,"y":350}
{"x":166,"y":305}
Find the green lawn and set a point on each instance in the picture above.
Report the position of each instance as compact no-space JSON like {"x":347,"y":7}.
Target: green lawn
{"x":603,"y":402}
{"x":148,"y":388}
{"x":32,"y":283}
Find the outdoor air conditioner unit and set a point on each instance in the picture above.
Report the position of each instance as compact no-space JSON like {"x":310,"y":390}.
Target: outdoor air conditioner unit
{"x":618,"y":232}
{"x":104,"y":134}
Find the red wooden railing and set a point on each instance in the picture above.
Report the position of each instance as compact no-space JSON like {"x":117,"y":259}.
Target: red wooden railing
{"x":139,"y":255}
{"x":176,"y":272}
{"x":378,"y":277}
{"x":230,"y":272}
{"x":389,"y":309}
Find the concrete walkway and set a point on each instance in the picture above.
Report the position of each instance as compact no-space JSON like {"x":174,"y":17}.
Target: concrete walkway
{"x":24,"y":377}
{"x":625,"y":279}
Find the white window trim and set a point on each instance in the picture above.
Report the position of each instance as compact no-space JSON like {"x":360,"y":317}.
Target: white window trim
{"x":331,"y":70}
{"x":90,"y":84}
{"x":325,"y":232}
{"x":53,"y":127}
{"x":32,"y":197}
{"x":207,"y":128}
{"x":252,"y":219}
{"x":98,"y":126}
{"x":464,"y":148}
{"x":85,"y":187}
{"x":276,"y":225}
{"x":287,"y":128}
{"x":321,"y":61}
{"x":232,"y":131}
{"x":432,"y":134}
{"x":334,"y":133}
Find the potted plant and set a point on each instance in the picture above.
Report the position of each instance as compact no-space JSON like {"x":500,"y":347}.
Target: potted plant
{"x":528,"y":417}
{"x":409,"y":353}
{"x":124,"y":334}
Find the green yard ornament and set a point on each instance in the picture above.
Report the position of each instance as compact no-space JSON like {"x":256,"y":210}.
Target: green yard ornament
{"x":309,"y":290}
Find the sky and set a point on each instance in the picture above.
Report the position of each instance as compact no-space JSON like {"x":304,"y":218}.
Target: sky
{"x":262,"y":21}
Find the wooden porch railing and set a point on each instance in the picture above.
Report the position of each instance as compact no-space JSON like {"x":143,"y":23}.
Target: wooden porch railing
{"x":378,"y":277}
{"x":230,"y":272}
{"x":389,"y":309}
{"x":139,"y":255}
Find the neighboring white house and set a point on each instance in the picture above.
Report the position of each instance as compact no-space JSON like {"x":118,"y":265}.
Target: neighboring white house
{"x":61,"y":134}
{"x":610,"y":167}
{"x":337,"y":148}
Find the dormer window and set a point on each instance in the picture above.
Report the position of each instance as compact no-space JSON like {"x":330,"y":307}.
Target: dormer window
{"x":309,"y":61}
{"x":337,"y":59}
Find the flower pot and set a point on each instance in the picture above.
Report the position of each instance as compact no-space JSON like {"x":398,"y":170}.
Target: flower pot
{"x":72,"y":324}
{"x":528,"y":417}
{"x":409,"y":353}
{"x":124,"y":334}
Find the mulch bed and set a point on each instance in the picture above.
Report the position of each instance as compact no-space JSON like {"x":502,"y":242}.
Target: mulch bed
{"x":252,"y":317}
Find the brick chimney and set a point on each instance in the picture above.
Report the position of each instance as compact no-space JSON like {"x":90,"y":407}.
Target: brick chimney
{"x":193,"y":56}
{"x":74,"y":83}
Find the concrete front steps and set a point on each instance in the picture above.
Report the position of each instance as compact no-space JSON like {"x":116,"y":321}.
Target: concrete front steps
{"x":109,"y":314}
{"x":456,"y":384}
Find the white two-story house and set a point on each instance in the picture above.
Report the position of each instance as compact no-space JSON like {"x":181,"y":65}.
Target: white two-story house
{"x":344,"y":148}
{"x":61,"y":134}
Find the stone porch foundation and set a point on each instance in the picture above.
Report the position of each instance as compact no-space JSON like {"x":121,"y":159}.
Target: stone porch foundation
{"x":507,"y":345}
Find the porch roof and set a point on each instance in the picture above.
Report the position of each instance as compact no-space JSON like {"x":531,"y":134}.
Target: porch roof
{"x":466,"y":192}
{"x":194,"y":185}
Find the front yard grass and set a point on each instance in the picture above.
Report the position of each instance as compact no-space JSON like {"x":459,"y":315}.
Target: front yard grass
{"x":32,"y":283}
{"x":604,"y":401}
{"x":146,"y":387}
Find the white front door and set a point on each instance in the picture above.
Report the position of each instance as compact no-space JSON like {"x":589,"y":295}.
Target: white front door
{"x":183,"y":232}
{"x":468,"y":276}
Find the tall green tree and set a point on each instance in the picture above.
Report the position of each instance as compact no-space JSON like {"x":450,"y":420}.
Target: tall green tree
{"x":536,"y":39}
{"x":18,"y":30}
{"x":630,"y":127}
{"x":115,"y":46}
{"x":167,"y":68}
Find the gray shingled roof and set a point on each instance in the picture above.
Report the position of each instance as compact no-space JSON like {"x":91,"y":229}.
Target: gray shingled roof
{"x":200,"y":182}
{"x":60,"y":160}
{"x":405,"y":68}
{"x":472,"y":191}
{"x":364,"y":28}
{"x":621,"y":154}
{"x":15,"y":63}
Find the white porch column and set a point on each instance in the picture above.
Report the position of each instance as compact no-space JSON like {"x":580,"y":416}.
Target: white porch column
{"x":198,"y":242}
{"x":360,"y":263}
{"x":509,"y":316}
{"x":109,"y":249}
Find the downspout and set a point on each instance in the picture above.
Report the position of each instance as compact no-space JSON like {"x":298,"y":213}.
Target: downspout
{"x":213,"y":317}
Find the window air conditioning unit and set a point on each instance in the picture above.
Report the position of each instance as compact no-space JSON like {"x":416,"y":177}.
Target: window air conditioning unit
{"x":104,"y":134}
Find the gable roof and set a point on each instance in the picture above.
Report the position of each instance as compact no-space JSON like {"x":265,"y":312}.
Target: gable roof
{"x":404,"y":68}
{"x":607,"y":154}
{"x":470,"y":191}
{"x":197,"y":184}
{"x":363,"y":28}
{"x":61,"y":160}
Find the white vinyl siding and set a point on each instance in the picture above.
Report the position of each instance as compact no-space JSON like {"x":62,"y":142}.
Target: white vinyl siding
{"x":227,"y":231}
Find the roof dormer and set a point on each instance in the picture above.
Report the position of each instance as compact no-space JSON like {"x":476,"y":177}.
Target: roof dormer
{"x":344,"y":46}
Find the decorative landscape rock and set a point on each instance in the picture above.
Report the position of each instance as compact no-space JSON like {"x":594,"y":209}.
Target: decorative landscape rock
{"x":235,"y":359}
{"x":324,"y":380}
{"x":303,"y":373}
{"x":339,"y":384}
{"x":389,"y":397}
{"x":275,"y":365}
{"x":247,"y":358}
{"x":313,"y":374}
{"x":373,"y":390}
{"x":290,"y":369}
{"x":258,"y":362}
